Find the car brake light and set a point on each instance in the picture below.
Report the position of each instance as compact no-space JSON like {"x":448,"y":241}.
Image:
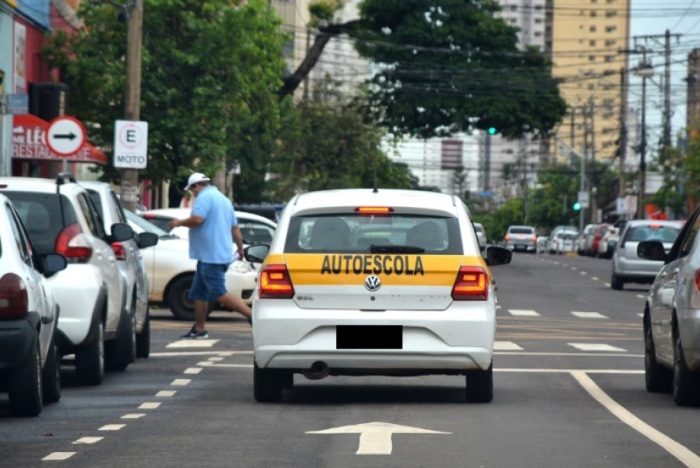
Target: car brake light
{"x":73,"y":244}
{"x":119,"y":250}
{"x":697,"y":279}
{"x":275,"y":282}
{"x":507,"y":237}
{"x":14,"y":302}
{"x":471,"y":285}
{"x":374,"y":210}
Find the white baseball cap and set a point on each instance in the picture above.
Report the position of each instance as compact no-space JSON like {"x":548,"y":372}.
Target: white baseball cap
{"x":196,"y":178}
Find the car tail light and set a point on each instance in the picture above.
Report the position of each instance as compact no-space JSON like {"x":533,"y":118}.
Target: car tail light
{"x":471,"y":285}
{"x":374,"y":210}
{"x":14,"y":302}
{"x":506,"y":237}
{"x":697,"y":279}
{"x":119,"y":250}
{"x":73,"y":244}
{"x":275,"y":282}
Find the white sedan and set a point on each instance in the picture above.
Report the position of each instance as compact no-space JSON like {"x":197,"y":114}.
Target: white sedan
{"x":171,"y":270}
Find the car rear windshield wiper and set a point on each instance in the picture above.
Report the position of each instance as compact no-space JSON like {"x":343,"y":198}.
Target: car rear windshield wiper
{"x":395,"y":249}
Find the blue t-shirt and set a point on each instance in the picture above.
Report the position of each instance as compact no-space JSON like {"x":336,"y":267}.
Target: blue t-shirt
{"x":211,"y":241}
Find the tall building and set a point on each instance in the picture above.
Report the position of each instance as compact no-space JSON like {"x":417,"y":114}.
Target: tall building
{"x":588,"y":43}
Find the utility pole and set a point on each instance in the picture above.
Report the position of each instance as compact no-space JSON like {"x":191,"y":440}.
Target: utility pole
{"x":622,"y":150}
{"x":667,"y":89}
{"x":593,"y":215}
{"x":132,"y":108}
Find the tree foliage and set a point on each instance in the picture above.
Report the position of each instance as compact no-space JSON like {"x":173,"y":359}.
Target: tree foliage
{"x":210,"y":72}
{"x":450,"y":65}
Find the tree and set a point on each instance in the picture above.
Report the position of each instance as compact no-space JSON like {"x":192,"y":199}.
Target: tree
{"x":210,"y":74}
{"x":445,"y":67}
{"x":326,"y":143}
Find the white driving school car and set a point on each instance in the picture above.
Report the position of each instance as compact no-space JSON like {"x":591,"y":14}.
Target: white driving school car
{"x":374,"y":282}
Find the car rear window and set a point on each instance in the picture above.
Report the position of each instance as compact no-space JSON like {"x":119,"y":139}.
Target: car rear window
{"x":521,"y":230}
{"x":653,"y":232}
{"x":374,"y":234}
{"x":42,"y":216}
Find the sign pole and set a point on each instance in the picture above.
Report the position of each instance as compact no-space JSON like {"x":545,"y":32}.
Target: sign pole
{"x":132,"y":111}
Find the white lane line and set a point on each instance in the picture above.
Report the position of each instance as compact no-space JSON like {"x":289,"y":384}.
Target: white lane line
{"x":595,"y":347}
{"x":192,"y":344}
{"x":679,"y":451}
{"x":607,"y":285}
{"x":523,"y":312}
{"x":505,"y":346}
{"x":215,"y":358}
{"x":590,"y":315}
{"x":243,"y":366}
{"x":594,"y":278}
{"x":88,"y":440}
{"x":133,"y":416}
{"x":525,"y":353}
{"x":181,"y":382}
{"x":149,"y":405}
{"x":583,"y":273}
{"x":166,"y":393}
{"x":641,"y":296}
{"x":112,"y":427}
{"x":193,"y":370}
{"x":199,"y":353}
{"x":568,"y":371}
{"x":57,"y":456}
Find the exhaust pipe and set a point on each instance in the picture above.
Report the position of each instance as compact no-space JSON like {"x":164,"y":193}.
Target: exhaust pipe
{"x":319,"y":370}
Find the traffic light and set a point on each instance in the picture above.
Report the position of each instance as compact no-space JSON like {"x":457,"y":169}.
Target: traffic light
{"x":492,"y":130}
{"x":577,"y":206}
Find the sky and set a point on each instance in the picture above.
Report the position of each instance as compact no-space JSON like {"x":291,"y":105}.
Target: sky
{"x":652,"y":18}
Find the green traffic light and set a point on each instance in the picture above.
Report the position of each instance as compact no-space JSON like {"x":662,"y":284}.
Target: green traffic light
{"x":577,"y":206}
{"x":492,"y":130}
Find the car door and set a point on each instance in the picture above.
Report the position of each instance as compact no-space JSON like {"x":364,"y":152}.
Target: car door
{"x":675,"y":276}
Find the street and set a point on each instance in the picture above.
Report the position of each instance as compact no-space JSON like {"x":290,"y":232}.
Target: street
{"x":568,"y":377}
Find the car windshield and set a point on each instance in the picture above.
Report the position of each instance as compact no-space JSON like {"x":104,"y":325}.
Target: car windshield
{"x":147,"y":226}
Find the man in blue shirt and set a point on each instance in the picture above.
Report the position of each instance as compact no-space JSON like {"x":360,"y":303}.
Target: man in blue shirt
{"x":213,"y":229}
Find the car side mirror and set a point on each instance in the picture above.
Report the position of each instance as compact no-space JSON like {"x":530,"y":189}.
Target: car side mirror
{"x":121,"y":232}
{"x":651,"y":250}
{"x":146,"y":239}
{"x":52,"y":263}
{"x":498,"y":255}
{"x":256,"y":253}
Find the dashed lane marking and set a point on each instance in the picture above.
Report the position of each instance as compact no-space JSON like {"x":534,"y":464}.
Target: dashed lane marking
{"x":58,"y":456}
{"x":112,"y":427}
{"x":523,"y":312}
{"x":596,"y":347}
{"x":149,"y":405}
{"x":166,"y":393}
{"x":180,"y":382}
{"x":133,"y":416}
{"x":506,"y":346}
{"x":192,"y":344}
{"x":589,"y":315}
{"x":193,"y":370}
{"x":88,"y":440}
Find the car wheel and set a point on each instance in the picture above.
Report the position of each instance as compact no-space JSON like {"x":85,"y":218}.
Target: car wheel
{"x":658,"y":379}
{"x":25,"y":389}
{"x":143,"y":339}
{"x":90,"y":360}
{"x":480,"y":385}
{"x":616,"y":282}
{"x":178,"y":298}
{"x":51,"y":374}
{"x":686,"y":384}
{"x":120,"y":351}
{"x":267,"y":385}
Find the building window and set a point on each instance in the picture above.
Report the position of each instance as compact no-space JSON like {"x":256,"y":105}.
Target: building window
{"x":609,"y":58}
{"x":591,"y":58}
{"x":591,"y":43}
{"x":612,"y":28}
{"x":610,"y":43}
{"x":594,"y":13}
{"x":611,"y":13}
{"x":592,"y":29}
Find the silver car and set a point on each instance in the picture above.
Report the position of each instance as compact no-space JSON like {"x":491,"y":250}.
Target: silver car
{"x":672,"y":316}
{"x":627,"y":266}
{"x":480,"y":235}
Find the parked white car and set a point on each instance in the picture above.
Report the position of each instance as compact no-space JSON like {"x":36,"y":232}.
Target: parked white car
{"x":137,"y":325}
{"x":30,"y":370}
{"x":61,"y":217}
{"x":171,"y":270}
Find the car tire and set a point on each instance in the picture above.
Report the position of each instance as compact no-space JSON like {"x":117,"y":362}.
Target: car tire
{"x":178,"y":298}
{"x":119,"y":352}
{"x":51,"y":374}
{"x":658,"y":379}
{"x":480,"y":385}
{"x":90,"y":360}
{"x":616,"y":282}
{"x":143,"y":339}
{"x":25,"y":388}
{"x":686,"y":384}
{"x":267,"y":385}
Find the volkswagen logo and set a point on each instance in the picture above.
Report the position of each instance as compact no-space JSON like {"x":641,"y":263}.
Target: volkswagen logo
{"x":373,"y":283}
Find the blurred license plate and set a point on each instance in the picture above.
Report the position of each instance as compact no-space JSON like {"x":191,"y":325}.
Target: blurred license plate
{"x":369,"y":337}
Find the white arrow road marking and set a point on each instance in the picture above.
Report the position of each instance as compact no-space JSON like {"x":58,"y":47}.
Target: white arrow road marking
{"x":375,"y":437}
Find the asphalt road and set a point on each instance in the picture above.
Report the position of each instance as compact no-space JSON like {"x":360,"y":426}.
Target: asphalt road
{"x":569,"y":391}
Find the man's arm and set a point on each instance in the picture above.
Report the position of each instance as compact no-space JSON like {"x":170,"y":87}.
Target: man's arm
{"x":238,"y":239}
{"x":192,"y":221}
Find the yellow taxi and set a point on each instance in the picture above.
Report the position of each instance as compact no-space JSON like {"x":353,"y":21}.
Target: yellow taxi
{"x":374,"y":282}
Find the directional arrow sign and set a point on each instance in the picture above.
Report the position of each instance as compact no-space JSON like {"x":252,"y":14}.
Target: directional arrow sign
{"x":66,"y":136}
{"x":375,"y":437}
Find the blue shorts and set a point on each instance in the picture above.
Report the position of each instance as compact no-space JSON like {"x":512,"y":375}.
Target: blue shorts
{"x":208,"y":283}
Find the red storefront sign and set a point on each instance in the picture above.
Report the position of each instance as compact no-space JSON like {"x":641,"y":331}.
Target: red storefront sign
{"x":29,"y":143}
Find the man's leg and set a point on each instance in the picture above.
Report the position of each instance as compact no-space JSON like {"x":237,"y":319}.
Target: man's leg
{"x":201,"y":309}
{"x":235,"y":303}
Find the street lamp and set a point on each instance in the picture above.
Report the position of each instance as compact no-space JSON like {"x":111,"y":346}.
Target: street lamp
{"x":644,"y":70}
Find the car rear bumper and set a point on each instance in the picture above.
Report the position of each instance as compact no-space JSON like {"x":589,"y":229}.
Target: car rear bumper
{"x":432,"y":342}
{"x":689,"y":328}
